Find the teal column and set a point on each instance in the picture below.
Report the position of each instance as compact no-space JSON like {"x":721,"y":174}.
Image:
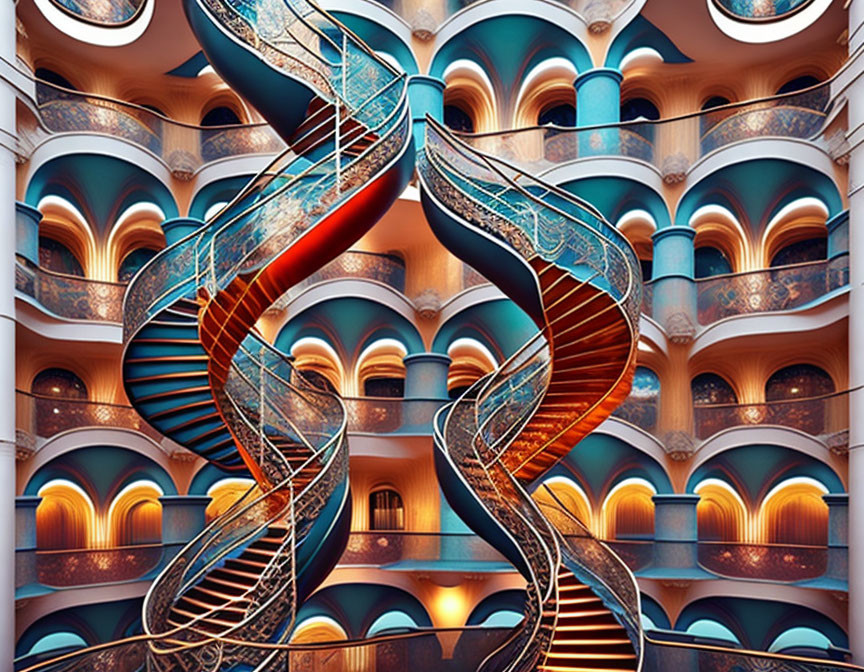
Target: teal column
{"x":598,"y":101}
{"x":182,"y":517}
{"x":425,"y":96}
{"x":179,"y":227}
{"x":838,"y":537}
{"x":674,"y":302}
{"x":26,"y":571}
{"x":27,"y":220}
{"x":25,"y":522}
{"x":426,"y":375}
{"x":838,"y":235}
{"x":675,"y":532}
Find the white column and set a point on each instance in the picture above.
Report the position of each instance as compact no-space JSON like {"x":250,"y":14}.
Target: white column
{"x":855,"y":94}
{"x":7,"y":343}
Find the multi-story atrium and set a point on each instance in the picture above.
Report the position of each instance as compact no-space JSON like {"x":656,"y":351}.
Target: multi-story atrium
{"x":446,"y":335}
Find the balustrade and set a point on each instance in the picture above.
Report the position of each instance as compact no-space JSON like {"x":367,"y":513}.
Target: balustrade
{"x":112,"y":14}
{"x":763,"y":561}
{"x":774,"y":289}
{"x":70,"y":296}
{"x":385,"y":548}
{"x":386,"y":415}
{"x":47,"y":416}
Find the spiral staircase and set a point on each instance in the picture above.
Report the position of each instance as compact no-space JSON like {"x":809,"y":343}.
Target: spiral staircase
{"x":578,"y":279}
{"x":197,"y":370}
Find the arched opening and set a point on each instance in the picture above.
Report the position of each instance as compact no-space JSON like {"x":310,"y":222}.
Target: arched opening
{"x":55,"y":78}
{"x":65,"y":518}
{"x":133,"y":262}
{"x":318,"y":362}
{"x":800,"y":641}
{"x":628,"y":511}
{"x":392,"y":623}
{"x":567,"y":493}
{"x":222,"y":115}
{"x":380,"y":369}
{"x":715,"y":101}
{"x":558,"y":114}
{"x":55,"y":256}
{"x":709,"y":389}
{"x":711,"y":629}
{"x":318,"y":629}
{"x":721,"y":514}
{"x":503,"y":618}
{"x":135,"y":515}
{"x":58,"y":642}
{"x":224,"y":493}
{"x":799,"y":84}
{"x":641,"y":407}
{"x":795,"y":513}
{"x":470,"y":361}
{"x":710,"y":261}
{"x":386,"y":510}
{"x":801,"y":252}
{"x":60,"y":383}
{"x":799,"y":381}
{"x":635,"y":109}
{"x":457,"y":119}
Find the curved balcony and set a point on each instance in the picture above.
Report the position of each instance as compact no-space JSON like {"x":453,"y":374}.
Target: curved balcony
{"x":387,"y":269}
{"x":70,"y":296}
{"x":422,"y":550}
{"x":87,"y":567}
{"x":767,"y":562}
{"x":47,"y":416}
{"x":388,"y":415}
{"x":113,"y":13}
{"x":774,"y":289}
{"x":758,"y":11}
{"x":183,"y":147}
{"x":671,"y":145}
{"x":823,"y":416}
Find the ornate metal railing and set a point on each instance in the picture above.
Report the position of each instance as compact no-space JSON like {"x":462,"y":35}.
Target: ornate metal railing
{"x":112,"y":13}
{"x":183,"y":147}
{"x":422,"y":650}
{"x":85,"y":567}
{"x":70,"y":296}
{"x":635,"y":554}
{"x":47,"y":416}
{"x":639,"y":412}
{"x":768,"y":562}
{"x":673,"y":145}
{"x":386,"y":415}
{"x":774,"y":289}
{"x":386,"y":548}
{"x":759,"y":11}
{"x":818,"y":416}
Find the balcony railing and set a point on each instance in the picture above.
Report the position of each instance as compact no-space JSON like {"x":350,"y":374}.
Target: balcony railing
{"x":760,"y":10}
{"x":113,"y":13}
{"x":70,"y":296}
{"x":763,"y":561}
{"x":639,"y":412}
{"x":674,"y":145}
{"x":774,"y":289}
{"x":47,"y":416}
{"x":388,"y":415}
{"x":818,"y":416}
{"x":183,"y":147}
{"x":85,"y":567}
{"x":388,"y":548}
{"x":635,"y":554}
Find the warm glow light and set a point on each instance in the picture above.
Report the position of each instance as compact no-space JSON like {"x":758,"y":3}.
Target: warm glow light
{"x":224,"y":493}
{"x":449,"y":607}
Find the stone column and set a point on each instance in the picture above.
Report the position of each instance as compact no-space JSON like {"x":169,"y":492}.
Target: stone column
{"x":27,"y":220}
{"x":598,"y":101}
{"x":674,"y":300}
{"x":425,"y":96}
{"x":675,"y":532}
{"x":838,"y":536}
{"x":179,"y":227}
{"x":426,"y":375}
{"x":182,"y":517}
{"x":855,"y":96}
{"x":8,"y":140}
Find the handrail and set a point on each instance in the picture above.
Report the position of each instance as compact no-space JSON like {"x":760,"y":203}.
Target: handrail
{"x":101,"y":22}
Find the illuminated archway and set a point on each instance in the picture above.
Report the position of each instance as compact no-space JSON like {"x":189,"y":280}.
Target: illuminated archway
{"x":318,"y":629}
{"x":721,"y":513}
{"x":471,"y":360}
{"x":628,"y":510}
{"x":569,"y":494}
{"x":135,"y":515}
{"x":317,"y":357}
{"x":223,"y":494}
{"x":380,"y":371}
{"x":793,"y":512}
{"x":66,"y":517}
